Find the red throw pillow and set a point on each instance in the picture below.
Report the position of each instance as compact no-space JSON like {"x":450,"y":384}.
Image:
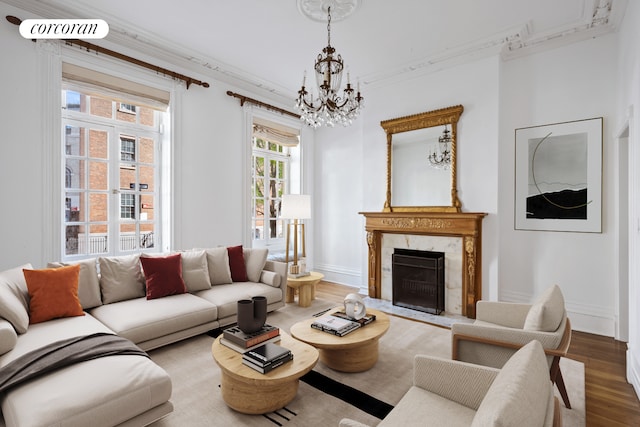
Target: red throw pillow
{"x":236,"y":264}
{"x":53,"y":293}
{"x":163,"y":275}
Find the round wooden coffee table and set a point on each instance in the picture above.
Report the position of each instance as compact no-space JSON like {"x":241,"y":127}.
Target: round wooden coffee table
{"x":250,"y":392}
{"x":354,"y":352}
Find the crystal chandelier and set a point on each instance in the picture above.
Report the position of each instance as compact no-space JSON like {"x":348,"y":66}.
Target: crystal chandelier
{"x":440,"y":155}
{"x":329,"y":108}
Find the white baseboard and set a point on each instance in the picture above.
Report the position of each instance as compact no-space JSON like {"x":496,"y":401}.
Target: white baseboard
{"x":633,"y":371}
{"x":584,"y":318}
{"x":341,"y":276}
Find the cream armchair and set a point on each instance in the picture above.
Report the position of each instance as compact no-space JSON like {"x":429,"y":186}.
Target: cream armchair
{"x":501,"y":328}
{"x":452,"y":393}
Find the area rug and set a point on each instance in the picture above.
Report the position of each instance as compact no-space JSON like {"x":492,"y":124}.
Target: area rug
{"x":326,"y":396}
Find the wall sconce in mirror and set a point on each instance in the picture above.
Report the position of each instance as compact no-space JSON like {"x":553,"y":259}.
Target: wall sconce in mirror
{"x":440,"y":153}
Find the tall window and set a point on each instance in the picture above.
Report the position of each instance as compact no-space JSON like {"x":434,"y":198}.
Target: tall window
{"x":270,"y":166}
{"x":274,"y":150}
{"x":111,"y":174}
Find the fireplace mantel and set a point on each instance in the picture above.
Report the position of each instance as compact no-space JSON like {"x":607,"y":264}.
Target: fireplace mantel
{"x":466,"y":225}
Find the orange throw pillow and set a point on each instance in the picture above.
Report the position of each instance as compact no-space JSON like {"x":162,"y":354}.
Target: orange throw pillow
{"x":53,"y":293}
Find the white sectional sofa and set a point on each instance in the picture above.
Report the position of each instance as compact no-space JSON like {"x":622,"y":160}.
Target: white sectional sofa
{"x":118,"y":297}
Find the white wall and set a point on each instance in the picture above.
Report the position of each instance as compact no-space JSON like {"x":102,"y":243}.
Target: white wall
{"x":628,"y":109}
{"x":21,"y":181}
{"x":570,"y":83}
{"x":209,"y":164}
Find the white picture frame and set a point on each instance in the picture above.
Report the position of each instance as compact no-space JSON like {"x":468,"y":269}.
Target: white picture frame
{"x":558,"y":177}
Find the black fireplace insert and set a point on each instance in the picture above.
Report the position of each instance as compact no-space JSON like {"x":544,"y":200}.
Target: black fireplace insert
{"x":418,"y":280}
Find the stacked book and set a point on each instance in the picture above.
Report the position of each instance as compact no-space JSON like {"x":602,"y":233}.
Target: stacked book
{"x":266,"y":357}
{"x":339,"y":323}
{"x":365,"y":320}
{"x":335,"y":325}
{"x":237,"y":340}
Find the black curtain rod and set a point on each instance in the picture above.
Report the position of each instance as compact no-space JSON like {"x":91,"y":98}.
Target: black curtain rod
{"x":98,"y":49}
{"x":244,"y":99}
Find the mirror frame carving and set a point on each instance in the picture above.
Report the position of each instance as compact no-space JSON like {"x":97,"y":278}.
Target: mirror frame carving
{"x":441,"y":117}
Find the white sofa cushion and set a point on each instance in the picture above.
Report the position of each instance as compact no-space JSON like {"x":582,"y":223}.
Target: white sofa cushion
{"x":218,"y":264}
{"x":254,"y":260}
{"x":421,"y":407}
{"x":14,"y":305}
{"x":519,"y":395}
{"x":121,"y":278}
{"x":195,"y":270}
{"x":547,"y":312}
{"x":41,"y":334}
{"x":8,"y":336}
{"x":88,"y":282}
{"x":102,"y":392}
{"x":142,"y":320}
{"x":226,"y":297}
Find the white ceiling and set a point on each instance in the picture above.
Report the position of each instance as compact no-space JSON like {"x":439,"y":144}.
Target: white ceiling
{"x":269,"y":43}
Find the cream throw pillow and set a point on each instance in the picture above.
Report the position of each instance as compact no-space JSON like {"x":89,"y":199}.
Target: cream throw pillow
{"x":88,"y":282}
{"x":195,"y":270}
{"x":8,"y":336}
{"x":270,"y":278}
{"x":254,"y":260}
{"x":14,"y":298}
{"x":121,"y":278}
{"x":218,"y":264}
{"x":519,"y":395}
{"x":546,"y":314}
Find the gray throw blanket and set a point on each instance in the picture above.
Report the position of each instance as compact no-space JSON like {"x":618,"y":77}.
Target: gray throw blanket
{"x":64,"y":353}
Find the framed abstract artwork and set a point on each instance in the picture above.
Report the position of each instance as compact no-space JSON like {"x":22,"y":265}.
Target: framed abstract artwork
{"x":558,"y":177}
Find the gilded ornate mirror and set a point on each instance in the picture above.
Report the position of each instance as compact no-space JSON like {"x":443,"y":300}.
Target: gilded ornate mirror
{"x":421,"y":161}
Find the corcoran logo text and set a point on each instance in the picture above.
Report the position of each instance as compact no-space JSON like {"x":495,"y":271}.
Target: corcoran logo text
{"x":64,"y":29}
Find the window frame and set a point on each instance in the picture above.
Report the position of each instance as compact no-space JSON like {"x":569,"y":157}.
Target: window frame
{"x":117,"y":130}
{"x":283,"y":157}
{"x":298,"y":171}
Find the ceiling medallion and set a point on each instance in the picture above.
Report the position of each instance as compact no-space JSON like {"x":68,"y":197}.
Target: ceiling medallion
{"x":316,"y":10}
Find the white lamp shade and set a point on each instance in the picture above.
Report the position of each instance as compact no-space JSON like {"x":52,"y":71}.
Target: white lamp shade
{"x":295,"y":206}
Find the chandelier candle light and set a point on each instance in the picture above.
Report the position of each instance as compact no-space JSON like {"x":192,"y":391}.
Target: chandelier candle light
{"x":329,"y":108}
{"x":440,"y":156}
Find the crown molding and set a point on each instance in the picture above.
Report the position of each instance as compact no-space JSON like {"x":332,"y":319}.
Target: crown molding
{"x":599,"y":17}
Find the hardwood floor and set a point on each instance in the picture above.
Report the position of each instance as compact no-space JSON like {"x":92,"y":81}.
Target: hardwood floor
{"x":610,"y":400}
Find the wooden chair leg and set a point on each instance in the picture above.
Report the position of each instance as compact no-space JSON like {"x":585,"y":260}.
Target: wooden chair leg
{"x":556,"y":378}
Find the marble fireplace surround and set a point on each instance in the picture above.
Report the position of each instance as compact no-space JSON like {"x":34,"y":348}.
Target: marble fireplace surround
{"x":450,"y":246}
{"x":457,"y":234}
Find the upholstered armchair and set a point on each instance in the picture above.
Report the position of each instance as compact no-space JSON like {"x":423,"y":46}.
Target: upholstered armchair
{"x":501,"y":328}
{"x":452,"y":393}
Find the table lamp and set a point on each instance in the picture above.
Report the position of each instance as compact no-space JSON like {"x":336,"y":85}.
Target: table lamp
{"x":295,"y":207}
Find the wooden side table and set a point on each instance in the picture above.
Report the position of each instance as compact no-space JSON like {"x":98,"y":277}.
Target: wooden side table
{"x":306,"y":287}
